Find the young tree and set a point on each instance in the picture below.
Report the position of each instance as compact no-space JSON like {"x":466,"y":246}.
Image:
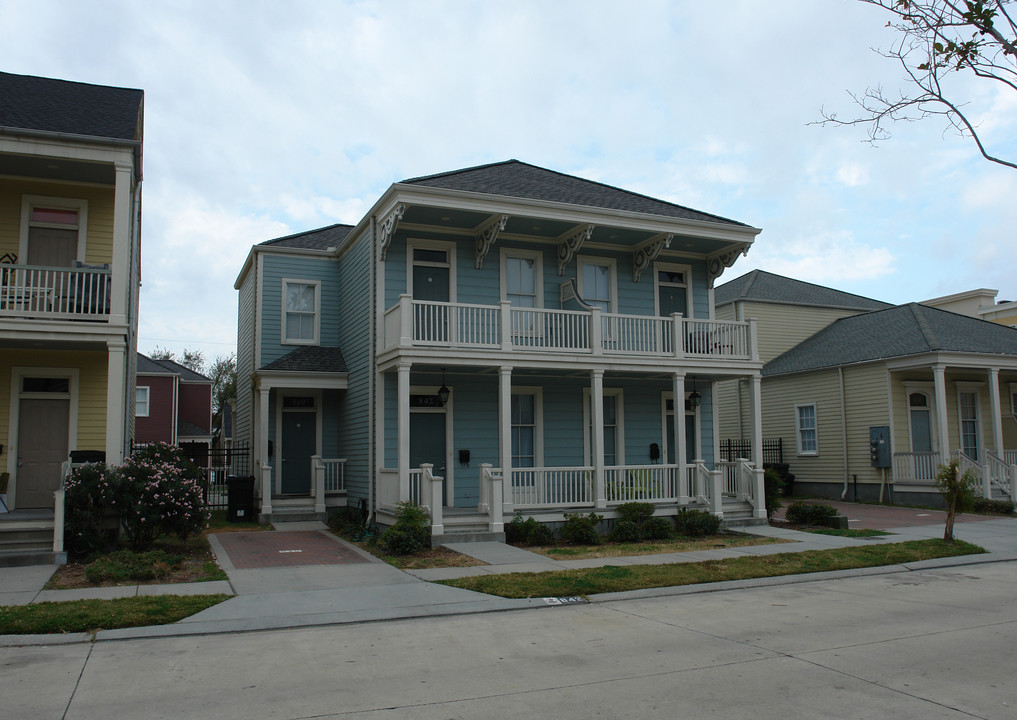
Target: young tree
{"x":192,"y":359}
{"x":958,"y":491}
{"x":224,"y":380}
{"x":937,"y":38}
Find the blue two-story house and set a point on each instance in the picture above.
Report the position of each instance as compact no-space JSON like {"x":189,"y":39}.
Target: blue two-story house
{"x":496,"y":339}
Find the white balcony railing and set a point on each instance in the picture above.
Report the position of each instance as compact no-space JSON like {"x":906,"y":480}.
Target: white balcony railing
{"x":418,"y":323}
{"x":551,"y":487}
{"x":52,"y":292}
{"x":915,"y":467}
{"x":643,"y":483}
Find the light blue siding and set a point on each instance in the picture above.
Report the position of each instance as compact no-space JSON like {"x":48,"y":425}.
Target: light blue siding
{"x":278,"y":267}
{"x":243,"y":421}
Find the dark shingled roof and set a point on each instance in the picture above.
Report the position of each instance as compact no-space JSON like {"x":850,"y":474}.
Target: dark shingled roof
{"x":521,"y":180}
{"x":185,"y":428}
{"x":761,"y":286}
{"x":169,"y":367}
{"x":320,"y":239}
{"x":34,"y":103}
{"x":911,"y":329}
{"x":310,"y":358}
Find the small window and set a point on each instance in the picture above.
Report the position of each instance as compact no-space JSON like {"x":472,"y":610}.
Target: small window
{"x":141,"y":401}
{"x":808,"y":441}
{"x":524,"y":430}
{"x":300,"y":312}
{"x":428,"y":255}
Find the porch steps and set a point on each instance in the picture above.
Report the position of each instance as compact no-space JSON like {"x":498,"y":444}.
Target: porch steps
{"x":739,"y":514}
{"x":27,"y":542}
{"x":288,"y":509}
{"x":465,"y":526}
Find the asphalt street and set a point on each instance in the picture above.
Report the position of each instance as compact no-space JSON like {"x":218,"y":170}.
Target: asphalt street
{"x":927,"y":644}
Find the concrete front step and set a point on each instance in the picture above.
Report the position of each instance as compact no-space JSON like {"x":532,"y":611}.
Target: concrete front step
{"x":22,"y":558}
{"x":466,"y":537}
{"x":27,"y":542}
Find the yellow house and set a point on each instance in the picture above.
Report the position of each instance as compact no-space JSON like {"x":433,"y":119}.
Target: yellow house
{"x":70,"y":216}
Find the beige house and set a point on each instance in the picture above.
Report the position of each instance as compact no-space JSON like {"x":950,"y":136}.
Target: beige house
{"x":70,"y":213}
{"x":921,"y":383}
{"x":979,"y":303}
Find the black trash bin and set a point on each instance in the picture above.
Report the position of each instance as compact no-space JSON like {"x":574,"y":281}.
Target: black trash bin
{"x":240,"y":498}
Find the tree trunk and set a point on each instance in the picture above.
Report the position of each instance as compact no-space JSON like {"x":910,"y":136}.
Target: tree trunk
{"x":951,"y":513}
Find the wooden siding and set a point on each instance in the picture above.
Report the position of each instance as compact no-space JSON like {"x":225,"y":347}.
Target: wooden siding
{"x":196,"y":404}
{"x":91,"y":390}
{"x":866,"y":406}
{"x":781,"y":327}
{"x":99,"y":233}
{"x":158,"y":426}
{"x":351,"y":299}
{"x":278,"y":267}
{"x":484,"y":286}
{"x":243,"y":428}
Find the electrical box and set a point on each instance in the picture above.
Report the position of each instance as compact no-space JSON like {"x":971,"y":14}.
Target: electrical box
{"x":879,"y":446}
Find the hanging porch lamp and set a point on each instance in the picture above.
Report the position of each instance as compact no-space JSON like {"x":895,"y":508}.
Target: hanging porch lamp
{"x":443,"y":392}
{"x":694,"y":397}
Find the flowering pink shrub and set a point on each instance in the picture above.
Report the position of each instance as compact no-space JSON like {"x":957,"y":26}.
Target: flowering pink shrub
{"x":155,"y":492}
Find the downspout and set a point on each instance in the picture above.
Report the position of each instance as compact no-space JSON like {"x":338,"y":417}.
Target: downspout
{"x":372,"y":466}
{"x":843,"y":430}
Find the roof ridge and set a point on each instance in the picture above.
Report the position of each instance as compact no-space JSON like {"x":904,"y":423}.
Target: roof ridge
{"x":306,"y":232}
{"x":72,"y":82}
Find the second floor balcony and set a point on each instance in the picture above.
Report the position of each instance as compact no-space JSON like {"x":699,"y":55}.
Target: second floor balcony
{"x":55,"y":293}
{"x":504,"y":328}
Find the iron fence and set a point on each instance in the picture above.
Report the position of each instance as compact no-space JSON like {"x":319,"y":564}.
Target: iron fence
{"x":773,"y":450}
{"x":216,"y":464}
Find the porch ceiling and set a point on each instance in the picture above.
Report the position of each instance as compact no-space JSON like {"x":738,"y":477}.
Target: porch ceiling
{"x":52,"y":168}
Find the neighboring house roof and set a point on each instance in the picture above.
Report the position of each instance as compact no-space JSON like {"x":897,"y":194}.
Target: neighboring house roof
{"x":900,"y":331}
{"x":61,"y":106}
{"x":187,"y":429}
{"x":311,"y":358}
{"x":151,"y":366}
{"x":513,"y":178}
{"x":320,"y":239}
{"x":761,"y":286}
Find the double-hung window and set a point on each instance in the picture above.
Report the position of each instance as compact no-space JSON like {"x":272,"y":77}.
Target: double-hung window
{"x":522,"y":286}
{"x":141,"y":401}
{"x":53,"y":231}
{"x":301,"y":312}
{"x":808,"y":439}
{"x":597,"y":282}
{"x":524,"y":430}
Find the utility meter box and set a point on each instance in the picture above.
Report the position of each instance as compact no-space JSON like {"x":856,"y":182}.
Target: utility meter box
{"x":879,"y":446}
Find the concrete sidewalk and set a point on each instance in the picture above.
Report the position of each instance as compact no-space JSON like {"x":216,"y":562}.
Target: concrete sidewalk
{"x":371,"y":590}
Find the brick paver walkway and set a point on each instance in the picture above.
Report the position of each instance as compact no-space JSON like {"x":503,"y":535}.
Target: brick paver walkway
{"x":285,"y":549}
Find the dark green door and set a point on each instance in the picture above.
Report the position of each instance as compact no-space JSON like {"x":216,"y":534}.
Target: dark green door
{"x":672,"y":300}
{"x":430,"y":283}
{"x":298,"y":445}
{"x":427,"y":444}
{"x":690,"y":439}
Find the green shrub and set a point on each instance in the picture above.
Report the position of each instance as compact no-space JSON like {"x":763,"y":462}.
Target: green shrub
{"x":540,"y":534}
{"x":411,"y":532}
{"x":345,"y":518}
{"x":995,"y":507}
{"x":91,"y":509}
{"x":958,"y":490}
{"x":581,"y":529}
{"x":625,"y":531}
{"x":635,"y":512}
{"x":773,"y":489}
{"x":159,"y":494}
{"x":800,"y":513}
{"x":517,"y":530}
{"x":658,"y":528}
{"x":128,"y":566}
{"x":697,"y":523}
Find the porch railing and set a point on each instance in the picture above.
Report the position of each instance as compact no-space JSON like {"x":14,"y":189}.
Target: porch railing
{"x":915,"y":467}
{"x":335,"y":474}
{"x":551,"y":487}
{"x":1001,"y":476}
{"x":643,"y":483}
{"x":462,"y":325}
{"x":1010,"y":457}
{"x":54,"y":292}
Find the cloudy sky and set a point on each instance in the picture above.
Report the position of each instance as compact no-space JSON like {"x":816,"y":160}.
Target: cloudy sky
{"x":264,"y":119}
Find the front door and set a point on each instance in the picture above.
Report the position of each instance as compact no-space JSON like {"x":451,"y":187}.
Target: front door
{"x":690,"y":436}
{"x":299,"y":440}
{"x":427,"y":445}
{"x":431,"y":283}
{"x":42,"y":449}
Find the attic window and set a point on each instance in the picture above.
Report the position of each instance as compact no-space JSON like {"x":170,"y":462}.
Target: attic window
{"x":54,"y":216}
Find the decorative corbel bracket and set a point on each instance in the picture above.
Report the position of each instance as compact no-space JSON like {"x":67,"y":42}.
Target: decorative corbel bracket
{"x":717,"y":263}
{"x":386,"y":230}
{"x":487,"y":235}
{"x":569,"y":245}
{"x":647,"y":252}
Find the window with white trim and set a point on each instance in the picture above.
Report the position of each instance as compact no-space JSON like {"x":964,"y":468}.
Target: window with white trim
{"x":596,"y":280}
{"x":614,"y":433}
{"x":141,"y":401}
{"x":524,"y":430}
{"x":52,"y":231}
{"x":807,"y":432}
{"x":301,"y":312}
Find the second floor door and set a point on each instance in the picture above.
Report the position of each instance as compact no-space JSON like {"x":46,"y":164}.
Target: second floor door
{"x":431,"y":276}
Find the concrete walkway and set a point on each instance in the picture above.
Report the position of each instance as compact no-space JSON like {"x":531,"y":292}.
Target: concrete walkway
{"x":371,"y":590}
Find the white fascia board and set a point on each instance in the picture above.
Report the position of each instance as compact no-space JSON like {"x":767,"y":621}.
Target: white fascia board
{"x":61,"y":332}
{"x":266,"y":380}
{"x":270,"y":250}
{"x":494,"y":204}
{"x":977,"y":361}
{"x":98,"y":151}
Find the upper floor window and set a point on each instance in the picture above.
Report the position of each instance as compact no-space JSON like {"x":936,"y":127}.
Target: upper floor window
{"x":674,"y":289}
{"x":808,"y":439}
{"x":521,"y":278}
{"x":141,"y":401}
{"x":52,"y":231}
{"x":301,"y":312}
{"x":597,"y":282}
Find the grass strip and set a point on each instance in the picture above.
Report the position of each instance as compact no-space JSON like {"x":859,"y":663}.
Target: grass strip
{"x":847,"y":532}
{"x":90,"y":615}
{"x":651,"y":547}
{"x":613,"y":578}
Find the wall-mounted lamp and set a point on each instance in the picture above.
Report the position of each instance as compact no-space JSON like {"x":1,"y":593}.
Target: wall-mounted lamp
{"x":694,"y":397}
{"x":443,"y":392}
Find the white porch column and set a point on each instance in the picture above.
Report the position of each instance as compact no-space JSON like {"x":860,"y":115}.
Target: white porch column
{"x":939,"y":381}
{"x":680,"y":457}
{"x":759,"y":486}
{"x":403,"y":428}
{"x":597,"y":436}
{"x":997,"y":413}
{"x":261,"y":438}
{"x":116,"y":400}
{"x":505,"y":436}
{"x":120,"y":273}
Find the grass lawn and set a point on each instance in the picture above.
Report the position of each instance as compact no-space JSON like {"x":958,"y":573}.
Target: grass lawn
{"x":440,"y":557}
{"x":635,"y":577}
{"x":91,"y":615}
{"x":847,"y":532}
{"x":649,"y":547}
{"x":218,"y":523}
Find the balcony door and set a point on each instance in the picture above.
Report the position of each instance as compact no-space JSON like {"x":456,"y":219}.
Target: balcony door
{"x":431,"y":281}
